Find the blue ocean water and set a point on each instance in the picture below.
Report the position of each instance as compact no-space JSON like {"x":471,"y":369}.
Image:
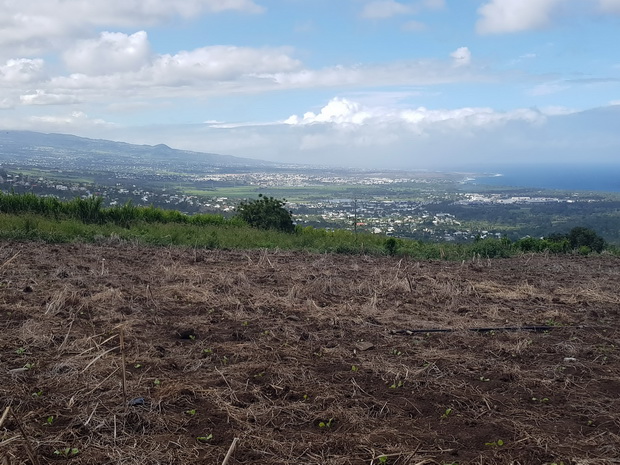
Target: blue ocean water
{"x":568,"y":177}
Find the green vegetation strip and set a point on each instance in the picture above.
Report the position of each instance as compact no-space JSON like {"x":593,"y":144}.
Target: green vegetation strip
{"x":28,"y":217}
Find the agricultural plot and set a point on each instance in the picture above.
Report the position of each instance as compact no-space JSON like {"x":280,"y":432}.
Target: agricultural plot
{"x":305,"y":359}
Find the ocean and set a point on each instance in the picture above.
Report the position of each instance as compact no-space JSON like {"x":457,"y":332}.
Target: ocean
{"x":563,"y":177}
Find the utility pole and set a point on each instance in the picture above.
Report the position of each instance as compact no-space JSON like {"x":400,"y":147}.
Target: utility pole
{"x":355,"y":216}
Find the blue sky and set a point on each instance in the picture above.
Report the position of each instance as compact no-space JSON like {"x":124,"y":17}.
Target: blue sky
{"x":381,"y":83}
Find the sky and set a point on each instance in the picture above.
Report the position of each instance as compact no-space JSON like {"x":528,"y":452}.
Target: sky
{"x":392,"y":84}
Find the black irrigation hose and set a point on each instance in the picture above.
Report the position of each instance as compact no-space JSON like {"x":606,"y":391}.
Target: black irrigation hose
{"x":537,"y":329}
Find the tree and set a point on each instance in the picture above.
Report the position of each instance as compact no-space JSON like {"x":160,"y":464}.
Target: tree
{"x":266,"y":213}
{"x":580,"y":237}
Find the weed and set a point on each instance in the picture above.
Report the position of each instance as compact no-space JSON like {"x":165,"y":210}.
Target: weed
{"x":326,"y":424}
{"x":67,"y":452}
{"x":204,"y":439}
{"x":498,"y":443}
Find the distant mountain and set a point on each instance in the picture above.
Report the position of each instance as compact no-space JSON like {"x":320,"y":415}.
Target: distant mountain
{"x":73,"y":152}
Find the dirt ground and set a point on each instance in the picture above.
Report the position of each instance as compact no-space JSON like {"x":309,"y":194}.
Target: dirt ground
{"x":306,"y":359}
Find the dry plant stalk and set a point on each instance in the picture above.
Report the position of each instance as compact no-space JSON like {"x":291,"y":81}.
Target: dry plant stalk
{"x":9,"y":260}
{"x":231,"y":449}
{"x":29,"y":450}
{"x":4,"y":415}
{"x":123,"y":368}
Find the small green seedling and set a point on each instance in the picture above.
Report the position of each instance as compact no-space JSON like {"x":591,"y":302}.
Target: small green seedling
{"x":382,"y":459}
{"x":543,"y":400}
{"x":397,"y":384}
{"x":20,"y":351}
{"x":206,"y":438}
{"x":191,"y":412}
{"x":498,"y":443}
{"x":485,"y":380}
{"x":245,"y":323}
{"x":354,"y":368}
{"x":306,"y":397}
{"x":447,"y":413}
{"x":67,"y":452}
{"x":37,"y":393}
{"x":396,"y":352}
{"x":157,"y":382}
{"x":192,"y":337}
{"x":50,"y":420}
{"x":137,"y":365}
{"x":29,"y":366}
{"x":207,"y":351}
{"x":327,"y":424}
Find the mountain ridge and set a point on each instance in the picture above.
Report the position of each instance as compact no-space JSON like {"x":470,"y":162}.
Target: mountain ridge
{"x":83,"y":149}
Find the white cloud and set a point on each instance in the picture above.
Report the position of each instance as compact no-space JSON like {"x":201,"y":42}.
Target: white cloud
{"x":344,"y":112}
{"x":505,"y":16}
{"x":461,"y":56}
{"x":614,"y":102}
{"x":112,"y":52}
{"x":23,"y":70}
{"x":35,"y":26}
{"x":221,"y":63}
{"x":41,"y":97}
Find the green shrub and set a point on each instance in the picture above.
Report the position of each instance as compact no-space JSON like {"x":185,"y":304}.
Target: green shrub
{"x":266,"y":213}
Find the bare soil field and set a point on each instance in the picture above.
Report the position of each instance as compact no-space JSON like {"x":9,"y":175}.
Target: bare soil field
{"x":306,"y":359}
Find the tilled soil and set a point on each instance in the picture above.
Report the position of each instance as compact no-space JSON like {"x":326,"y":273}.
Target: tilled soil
{"x":306,"y":359}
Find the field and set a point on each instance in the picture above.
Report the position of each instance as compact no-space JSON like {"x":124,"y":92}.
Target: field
{"x":305,"y":358}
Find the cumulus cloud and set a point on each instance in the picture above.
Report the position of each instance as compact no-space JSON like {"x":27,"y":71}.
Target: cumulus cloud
{"x":342,"y":111}
{"x":36,"y":26}
{"x":22,"y":70}
{"x":506,"y":16}
{"x":221,"y":63}
{"x":382,"y":9}
{"x":461,"y":56}
{"x":41,"y":97}
{"x":112,"y":52}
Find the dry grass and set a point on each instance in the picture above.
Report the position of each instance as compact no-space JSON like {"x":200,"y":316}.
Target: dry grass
{"x":278,"y":358}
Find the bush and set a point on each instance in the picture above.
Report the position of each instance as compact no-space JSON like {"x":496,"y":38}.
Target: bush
{"x":266,"y":213}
